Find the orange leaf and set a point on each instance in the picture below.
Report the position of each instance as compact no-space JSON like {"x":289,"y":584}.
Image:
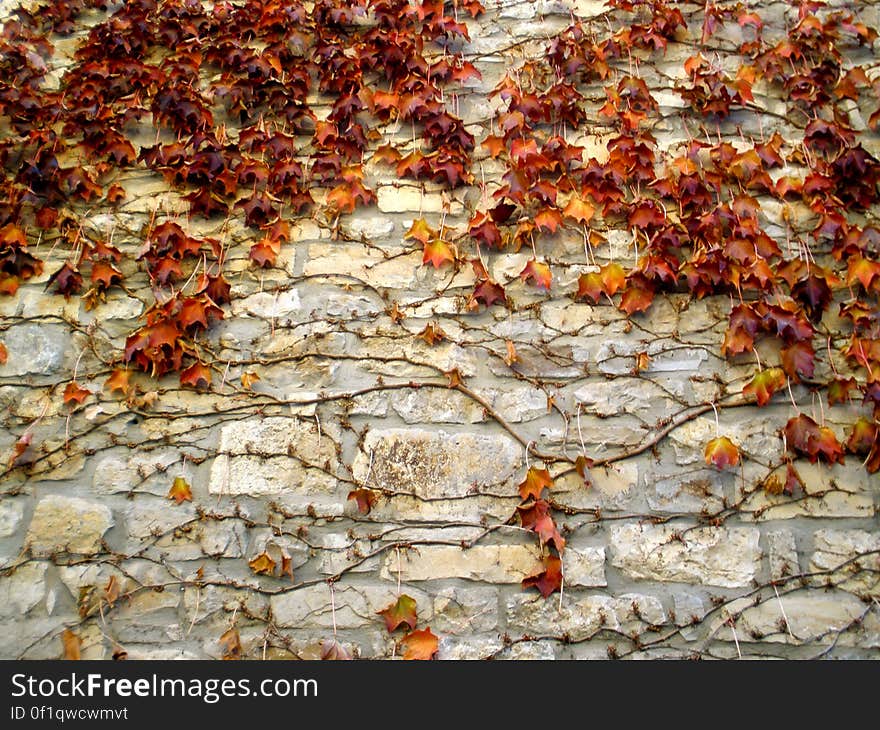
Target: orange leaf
{"x":402,"y":611}
{"x":536,"y":481}
{"x":511,"y":357}
{"x":579,"y":209}
{"x":613,"y":278}
{"x":197,"y":375}
{"x":248,"y":379}
{"x":432,"y":334}
{"x":538,"y":273}
{"x":74,"y":392}
{"x":263,"y":564}
{"x":437,"y":253}
{"x":590,"y":286}
{"x":420,"y":231}
{"x":721,"y":452}
{"x":549,"y":219}
{"x":71,"y":644}
{"x":421,"y":644}
{"x":638,"y":295}
{"x":4,"y":354}
{"x":494,"y":144}
{"x":118,"y":380}
{"x":180,"y":491}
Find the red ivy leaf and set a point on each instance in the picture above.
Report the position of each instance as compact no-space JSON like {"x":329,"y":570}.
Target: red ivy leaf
{"x":197,"y":375}
{"x":548,"y":580}
{"x":365,"y":499}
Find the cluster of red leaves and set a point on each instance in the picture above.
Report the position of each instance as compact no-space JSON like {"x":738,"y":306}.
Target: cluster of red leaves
{"x":534,"y":514}
{"x":183,"y":66}
{"x":696,"y":218}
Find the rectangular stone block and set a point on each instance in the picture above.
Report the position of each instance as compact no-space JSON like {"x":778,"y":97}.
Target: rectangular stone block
{"x":436,"y":464}
{"x":354,"y":606}
{"x":486,"y":563}
{"x":579,"y":617}
{"x":727,"y":557}
{"x":272,"y":456}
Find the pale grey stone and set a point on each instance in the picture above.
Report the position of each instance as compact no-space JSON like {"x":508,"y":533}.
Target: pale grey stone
{"x":35,"y":349}
{"x":727,"y":557}
{"x":272,"y":456}
{"x":11,"y":515}
{"x":584,"y":566}
{"x":580,"y":617}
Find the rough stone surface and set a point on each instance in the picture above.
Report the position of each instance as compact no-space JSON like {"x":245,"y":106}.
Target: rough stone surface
{"x":782,"y":554}
{"x":801,"y":618}
{"x":35,"y":349}
{"x":581,"y":617}
{"x":67,"y":524}
{"x":22,"y":590}
{"x":486,"y":563}
{"x":584,"y":566}
{"x":272,"y":456}
{"x":728,"y":557}
{"x":11,"y":515}
{"x":854,"y":553}
{"x":436,"y":464}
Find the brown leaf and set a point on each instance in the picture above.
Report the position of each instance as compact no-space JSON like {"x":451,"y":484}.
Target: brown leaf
{"x":432,"y":334}
{"x":230,"y":644}
{"x":332,"y":650}
{"x":197,"y":375}
{"x":71,"y":644}
{"x":112,"y":591}
{"x":536,"y":481}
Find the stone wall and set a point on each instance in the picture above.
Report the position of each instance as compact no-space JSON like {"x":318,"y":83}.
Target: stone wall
{"x":665,"y":556}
